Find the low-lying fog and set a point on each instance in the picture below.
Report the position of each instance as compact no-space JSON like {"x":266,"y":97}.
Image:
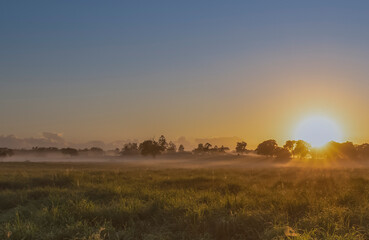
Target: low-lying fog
{"x":193,"y":161}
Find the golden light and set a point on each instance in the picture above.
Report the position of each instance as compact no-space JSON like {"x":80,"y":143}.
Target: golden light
{"x":318,"y":131}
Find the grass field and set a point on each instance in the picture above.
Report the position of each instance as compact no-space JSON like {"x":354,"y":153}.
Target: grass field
{"x":120,"y":201}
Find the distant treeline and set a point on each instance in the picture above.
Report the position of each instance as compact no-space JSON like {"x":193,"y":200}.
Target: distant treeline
{"x":291,"y":149}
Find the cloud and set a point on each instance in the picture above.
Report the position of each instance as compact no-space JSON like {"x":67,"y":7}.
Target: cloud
{"x":53,"y":137}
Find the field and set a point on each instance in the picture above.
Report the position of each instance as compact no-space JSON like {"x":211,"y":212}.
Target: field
{"x":124,"y":201}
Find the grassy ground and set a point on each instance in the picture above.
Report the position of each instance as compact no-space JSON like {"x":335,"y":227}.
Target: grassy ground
{"x":115,"y":201}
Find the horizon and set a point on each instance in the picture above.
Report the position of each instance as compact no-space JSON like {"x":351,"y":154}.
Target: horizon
{"x":51,"y":140}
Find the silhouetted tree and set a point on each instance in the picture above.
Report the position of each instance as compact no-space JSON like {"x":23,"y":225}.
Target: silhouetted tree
{"x":6,"y":152}
{"x":116,"y":152}
{"x":97,"y":151}
{"x":223,"y":149}
{"x":150,"y":147}
{"x":41,"y":151}
{"x":346,"y":150}
{"x":282,"y":154}
{"x":207,"y":147}
{"x":172,"y":147}
{"x":302,"y":149}
{"x":332,"y":150}
{"x":200,"y":148}
{"x":241,"y":147}
{"x":214,"y":149}
{"x":267,"y":147}
{"x":363,"y":151}
{"x":162,"y":143}
{"x":290,"y":145}
{"x":181,"y":148}
{"x":69,"y":151}
{"x":129,"y":149}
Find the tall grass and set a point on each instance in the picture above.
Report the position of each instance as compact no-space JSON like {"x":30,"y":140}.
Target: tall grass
{"x":96,"y":201}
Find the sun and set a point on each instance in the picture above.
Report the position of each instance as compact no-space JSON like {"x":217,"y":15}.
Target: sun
{"x":318,"y":131}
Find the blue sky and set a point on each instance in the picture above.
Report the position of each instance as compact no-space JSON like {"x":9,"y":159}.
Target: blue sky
{"x":126,"y":69}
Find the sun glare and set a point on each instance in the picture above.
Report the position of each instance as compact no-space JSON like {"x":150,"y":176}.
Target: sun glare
{"x":318,"y":130}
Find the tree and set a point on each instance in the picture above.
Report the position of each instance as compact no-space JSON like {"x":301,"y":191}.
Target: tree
{"x":116,"y":151}
{"x":363,"y":151}
{"x":332,"y":150}
{"x":302,"y":149}
{"x":290,"y":145}
{"x":241,"y":147}
{"x":200,"y":148}
{"x":129,"y":149}
{"x":267,"y":147}
{"x":223,"y":149}
{"x":162,"y":143}
{"x":346,"y":150}
{"x":6,"y":152}
{"x":282,"y":153}
{"x":172,"y":147}
{"x":207,"y":147}
{"x":97,"y":151}
{"x":181,"y":148}
{"x":69,"y":151}
{"x":150,"y":147}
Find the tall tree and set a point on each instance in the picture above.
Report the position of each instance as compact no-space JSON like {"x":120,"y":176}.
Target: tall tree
{"x":172,"y":147}
{"x":181,"y":148}
{"x":162,"y":143}
{"x":207,"y":146}
{"x":150,"y":147}
{"x":130,"y":148}
{"x":302,"y":149}
{"x":200,"y":148}
{"x":290,"y":145}
{"x":241,"y":147}
{"x":267,"y":147}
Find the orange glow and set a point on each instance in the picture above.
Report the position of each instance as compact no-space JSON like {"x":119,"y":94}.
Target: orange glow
{"x":318,"y":131}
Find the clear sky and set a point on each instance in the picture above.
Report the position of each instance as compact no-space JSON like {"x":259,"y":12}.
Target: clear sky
{"x":111,"y":70}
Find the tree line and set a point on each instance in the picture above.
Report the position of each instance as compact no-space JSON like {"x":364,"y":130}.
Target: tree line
{"x":301,"y":149}
{"x":291,"y":149}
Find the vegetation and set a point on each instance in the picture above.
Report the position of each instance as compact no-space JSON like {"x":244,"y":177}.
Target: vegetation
{"x":207,"y":148}
{"x":269,"y":148}
{"x":150,"y":147}
{"x":6,"y":152}
{"x":112,"y":201}
{"x":241,"y":147}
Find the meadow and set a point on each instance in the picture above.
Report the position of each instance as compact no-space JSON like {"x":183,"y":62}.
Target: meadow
{"x":125,"y":201}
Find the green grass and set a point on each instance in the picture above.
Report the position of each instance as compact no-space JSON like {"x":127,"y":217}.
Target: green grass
{"x":117,"y":201}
